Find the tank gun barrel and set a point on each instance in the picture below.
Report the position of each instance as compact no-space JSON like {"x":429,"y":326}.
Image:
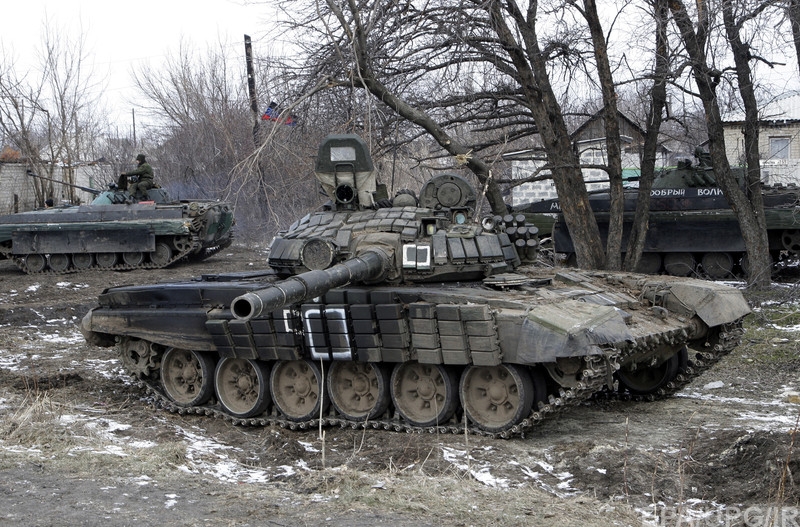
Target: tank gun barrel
{"x":90,"y":190}
{"x":370,"y":265}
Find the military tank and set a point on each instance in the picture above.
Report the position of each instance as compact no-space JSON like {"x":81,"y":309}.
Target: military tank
{"x":419,"y":316}
{"x":115,"y":231}
{"x":692,"y":228}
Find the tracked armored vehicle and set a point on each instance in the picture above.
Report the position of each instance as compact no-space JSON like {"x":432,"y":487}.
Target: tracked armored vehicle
{"x":418,"y":316}
{"x":115,"y":232}
{"x":692,"y":228}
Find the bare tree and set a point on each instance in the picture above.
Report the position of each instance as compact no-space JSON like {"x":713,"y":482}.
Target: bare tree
{"x":654,"y":118}
{"x":707,"y":77}
{"x":471,"y":75}
{"x":53,"y":119}
{"x":204,"y":135}
{"x":613,"y":140}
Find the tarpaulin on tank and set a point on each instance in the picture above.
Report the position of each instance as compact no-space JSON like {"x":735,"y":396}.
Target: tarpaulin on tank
{"x":713,"y":303}
{"x":567,"y":329}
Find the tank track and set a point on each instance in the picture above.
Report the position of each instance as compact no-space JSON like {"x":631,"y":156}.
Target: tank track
{"x":595,"y":376}
{"x":721,"y":343}
{"x":187,"y":250}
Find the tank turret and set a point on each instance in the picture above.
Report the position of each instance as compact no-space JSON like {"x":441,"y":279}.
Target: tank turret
{"x":441,"y":239}
{"x":397,"y":314}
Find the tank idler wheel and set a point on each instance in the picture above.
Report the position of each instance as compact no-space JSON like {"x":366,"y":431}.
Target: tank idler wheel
{"x":717,"y":265}
{"x":358,"y":390}
{"x":82,"y":260}
{"x":59,"y":262}
{"x":242,"y":387}
{"x":790,"y":239}
{"x":424,"y":394}
{"x":646,"y":380}
{"x":36,"y":263}
{"x":679,"y":264}
{"x":134,"y":259}
{"x":496,"y":398}
{"x":296,"y":387}
{"x":106,"y":260}
{"x":187,"y":376}
{"x":162,"y":255}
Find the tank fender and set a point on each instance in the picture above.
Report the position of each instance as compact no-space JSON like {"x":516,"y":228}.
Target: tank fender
{"x":715,"y":304}
{"x":568,"y":329}
{"x":92,"y":337}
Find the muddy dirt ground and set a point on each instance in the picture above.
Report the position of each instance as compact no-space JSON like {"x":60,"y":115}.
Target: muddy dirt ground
{"x":81,"y":444}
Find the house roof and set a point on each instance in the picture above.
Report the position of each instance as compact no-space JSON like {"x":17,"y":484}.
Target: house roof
{"x":599,"y":116}
{"x":785,"y":107}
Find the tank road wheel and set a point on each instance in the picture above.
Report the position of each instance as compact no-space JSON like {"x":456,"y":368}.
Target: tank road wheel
{"x":679,"y":264}
{"x":59,"y":262}
{"x":649,"y":263}
{"x":646,"y":380}
{"x":187,"y":376}
{"x":424,"y":394}
{"x":134,"y":259}
{"x":717,"y":265}
{"x":790,"y":239}
{"x":162,"y":255}
{"x":296,"y":387}
{"x":106,"y":260}
{"x":358,"y":390}
{"x":745,"y":262}
{"x":242,"y":387}
{"x":36,"y":263}
{"x":82,"y":260}
{"x":496,"y":398}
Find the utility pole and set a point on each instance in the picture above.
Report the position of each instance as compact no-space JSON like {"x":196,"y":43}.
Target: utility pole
{"x":251,"y":86}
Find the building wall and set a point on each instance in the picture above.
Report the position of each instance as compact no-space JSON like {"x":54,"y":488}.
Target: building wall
{"x":17,"y":192}
{"x":781,"y":167}
{"x":591,"y":153}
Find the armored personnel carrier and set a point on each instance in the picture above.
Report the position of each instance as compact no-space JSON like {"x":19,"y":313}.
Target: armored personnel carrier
{"x":116,"y":231}
{"x":692,"y":230}
{"x":418,"y":316}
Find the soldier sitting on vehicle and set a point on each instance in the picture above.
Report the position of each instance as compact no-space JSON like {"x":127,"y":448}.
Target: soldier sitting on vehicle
{"x":144,"y":181}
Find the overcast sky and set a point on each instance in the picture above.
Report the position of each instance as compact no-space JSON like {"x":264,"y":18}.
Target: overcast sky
{"x":121,"y":35}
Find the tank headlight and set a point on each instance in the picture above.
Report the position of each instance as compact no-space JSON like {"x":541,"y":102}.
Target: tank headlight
{"x":345,"y":193}
{"x":459,"y":218}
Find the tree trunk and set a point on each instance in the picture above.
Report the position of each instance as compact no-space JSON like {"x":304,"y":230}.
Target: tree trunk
{"x":531,"y":69}
{"x":658,"y":100}
{"x":794,"y":20}
{"x":755,"y":238}
{"x":613,"y":141}
{"x":760,"y":268}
